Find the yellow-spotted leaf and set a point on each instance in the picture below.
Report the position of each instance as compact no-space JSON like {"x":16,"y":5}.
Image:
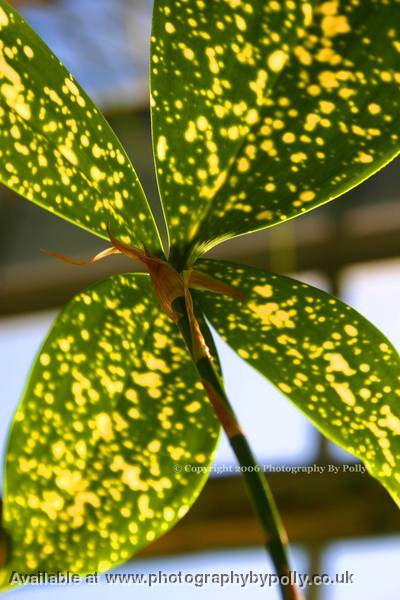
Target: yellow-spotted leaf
{"x":303,"y":138}
{"x":332,"y":363}
{"x":212,"y":65}
{"x":56,"y":149}
{"x":112,"y":405}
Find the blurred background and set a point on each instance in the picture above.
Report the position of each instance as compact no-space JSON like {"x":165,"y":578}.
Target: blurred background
{"x":351,"y":247}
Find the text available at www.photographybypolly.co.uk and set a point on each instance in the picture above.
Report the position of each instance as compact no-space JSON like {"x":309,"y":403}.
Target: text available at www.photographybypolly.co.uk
{"x":197,"y":579}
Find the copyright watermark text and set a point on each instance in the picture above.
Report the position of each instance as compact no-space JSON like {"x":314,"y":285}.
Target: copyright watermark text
{"x":270,"y":468}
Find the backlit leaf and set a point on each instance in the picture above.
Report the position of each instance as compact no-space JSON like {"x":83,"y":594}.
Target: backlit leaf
{"x":334,"y":365}
{"x":112,"y":404}
{"x":320,"y":128}
{"x":211,"y":65}
{"x":56,"y":149}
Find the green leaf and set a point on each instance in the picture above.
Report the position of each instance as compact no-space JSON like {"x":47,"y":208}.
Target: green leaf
{"x":57,"y":150}
{"x":320,"y":128}
{"x":334,"y":365}
{"x":112,"y":405}
{"x":211,"y":65}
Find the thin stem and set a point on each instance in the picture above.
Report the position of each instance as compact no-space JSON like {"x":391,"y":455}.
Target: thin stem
{"x":257,"y":486}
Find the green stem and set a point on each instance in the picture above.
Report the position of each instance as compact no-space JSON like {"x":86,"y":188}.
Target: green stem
{"x":257,"y":486}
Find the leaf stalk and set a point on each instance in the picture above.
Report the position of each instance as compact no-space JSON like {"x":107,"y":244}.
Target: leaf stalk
{"x":257,"y":486}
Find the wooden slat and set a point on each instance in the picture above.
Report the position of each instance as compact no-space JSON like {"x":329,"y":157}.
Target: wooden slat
{"x":44,"y":284}
{"x":316,"y":509}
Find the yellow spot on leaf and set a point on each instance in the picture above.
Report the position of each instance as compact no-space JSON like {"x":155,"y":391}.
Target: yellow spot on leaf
{"x":374,"y":108}
{"x":277,"y":60}
{"x":58,"y":449}
{"x":96,"y":174}
{"x":307,"y":196}
{"x":45,"y":360}
{"x":286,"y":389}
{"x":363,"y":157}
{"x":264,"y":290}
{"x":28,"y":51}
{"x":169,"y":28}
{"x":162,"y":148}
{"x":344,"y":393}
{"x":147,"y":379}
{"x":333,"y":25}
{"x":193,"y":407}
{"x":103,"y":427}
{"x":351,"y":330}
{"x":271,"y":315}
{"x":3,"y":18}
{"x":338,"y":363}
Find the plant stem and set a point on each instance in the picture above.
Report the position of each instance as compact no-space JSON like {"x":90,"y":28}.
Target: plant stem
{"x":257,"y":486}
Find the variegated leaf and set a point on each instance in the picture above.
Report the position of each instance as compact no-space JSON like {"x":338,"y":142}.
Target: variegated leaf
{"x":113,"y":403}
{"x":212,"y":64}
{"x":239,"y":149}
{"x":57,"y":150}
{"x":333,"y":364}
